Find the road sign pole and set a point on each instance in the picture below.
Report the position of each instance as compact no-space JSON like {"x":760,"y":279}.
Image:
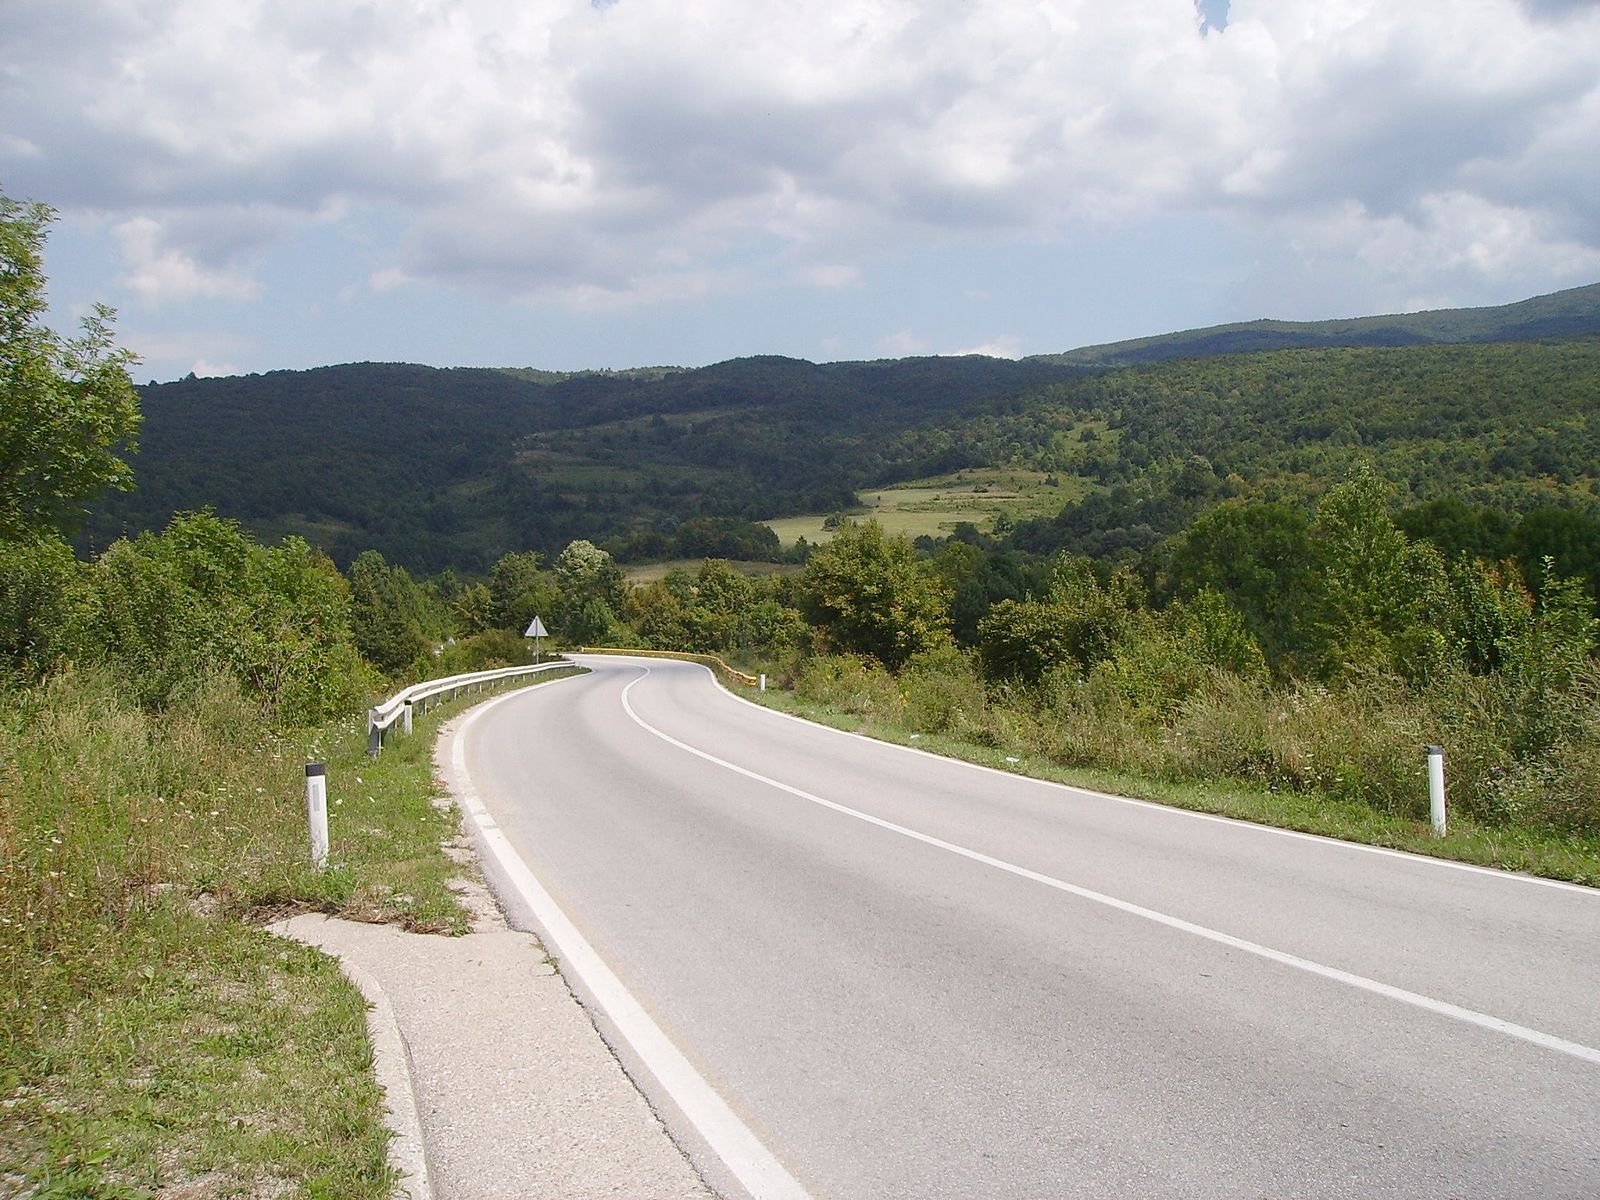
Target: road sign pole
{"x":536,"y":631}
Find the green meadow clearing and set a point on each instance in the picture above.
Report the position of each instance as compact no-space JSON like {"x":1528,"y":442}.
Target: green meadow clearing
{"x":935,"y":506}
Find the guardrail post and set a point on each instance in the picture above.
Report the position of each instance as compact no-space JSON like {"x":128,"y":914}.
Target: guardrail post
{"x":317,"y":812}
{"x":374,"y":734}
{"x":1436,"y":789}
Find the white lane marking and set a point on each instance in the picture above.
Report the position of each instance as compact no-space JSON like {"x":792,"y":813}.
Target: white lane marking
{"x":1169,"y":809}
{"x":730,"y":1139}
{"x":1415,"y":999}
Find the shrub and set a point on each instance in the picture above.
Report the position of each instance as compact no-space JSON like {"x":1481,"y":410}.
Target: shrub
{"x":851,"y":682}
{"x":164,"y":611}
{"x":482,"y":652}
{"x":37,"y":576}
{"x":942,"y":691}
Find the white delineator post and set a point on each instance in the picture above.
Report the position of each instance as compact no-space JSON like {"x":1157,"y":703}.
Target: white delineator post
{"x":317,"y":812}
{"x":763,"y":686}
{"x":1436,"y":788}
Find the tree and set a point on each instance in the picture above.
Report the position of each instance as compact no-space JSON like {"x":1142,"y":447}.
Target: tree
{"x":592,"y":593}
{"x":869,"y":595}
{"x":386,"y":613}
{"x":519,"y":590}
{"x":1260,"y":557}
{"x":1382,"y":594}
{"x":67,"y":406}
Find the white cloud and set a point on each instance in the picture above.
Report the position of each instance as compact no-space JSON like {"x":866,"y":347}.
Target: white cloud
{"x":1004,"y":346}
{"x":12,"y":146}
{"x":177,"y":347}
{"x":387,"y":280}
{"x":162,"y":272}
{"x":655,"y":150}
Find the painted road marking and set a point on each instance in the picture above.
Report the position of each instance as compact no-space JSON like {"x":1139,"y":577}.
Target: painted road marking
{"x":1350,"y":979}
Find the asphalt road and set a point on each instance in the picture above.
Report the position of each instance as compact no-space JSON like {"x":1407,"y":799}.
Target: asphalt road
{"x":914,"y":978}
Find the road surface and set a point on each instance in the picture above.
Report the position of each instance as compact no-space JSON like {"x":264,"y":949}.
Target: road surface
{"x":914,"y":978}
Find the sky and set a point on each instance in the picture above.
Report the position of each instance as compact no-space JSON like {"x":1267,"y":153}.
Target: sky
{"x":567,"y":184}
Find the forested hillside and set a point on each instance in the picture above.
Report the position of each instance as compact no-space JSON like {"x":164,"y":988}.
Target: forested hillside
{"x":1571,"y":313}
{"x":1512,"y":427}
{"x":438,"y":468}
{"x":455,"y":467}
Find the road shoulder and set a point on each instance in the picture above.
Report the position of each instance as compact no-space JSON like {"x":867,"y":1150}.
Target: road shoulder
{"x":488,"y":1059}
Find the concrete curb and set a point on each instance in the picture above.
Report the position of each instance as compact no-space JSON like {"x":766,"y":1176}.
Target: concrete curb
{"x":391,"y":1064}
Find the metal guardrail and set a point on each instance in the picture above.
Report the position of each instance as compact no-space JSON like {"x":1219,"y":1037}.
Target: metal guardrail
{"x":710,"y":660}
{"x":400,"y":708}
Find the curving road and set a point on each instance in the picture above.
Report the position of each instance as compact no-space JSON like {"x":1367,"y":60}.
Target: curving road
{"x":915,"y":978}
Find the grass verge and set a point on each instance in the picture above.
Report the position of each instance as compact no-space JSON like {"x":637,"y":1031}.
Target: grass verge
{"x":154,"y":1039}
{"x":1569,"y":857}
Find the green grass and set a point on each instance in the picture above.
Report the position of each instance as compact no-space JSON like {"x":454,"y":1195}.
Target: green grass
{"x":1570,"y":857}
{"x":211,"y":1059}
{"x":154,"y":1039}
{"x":934,"y":506}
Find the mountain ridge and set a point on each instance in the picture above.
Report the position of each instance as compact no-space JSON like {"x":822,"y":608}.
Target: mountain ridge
{"x":1572,"y":312}
{"x":439,"y":467}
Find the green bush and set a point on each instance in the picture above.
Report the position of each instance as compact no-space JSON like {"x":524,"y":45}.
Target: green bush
{"x":942,"y":692}
{"x":482,"y":652}
{"x":37,"y":577}
{"x":166,"y":610}
{"x":852,"y":683}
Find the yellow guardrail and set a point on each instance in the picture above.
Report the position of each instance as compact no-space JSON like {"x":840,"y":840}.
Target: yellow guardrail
{"x":710,"y":660}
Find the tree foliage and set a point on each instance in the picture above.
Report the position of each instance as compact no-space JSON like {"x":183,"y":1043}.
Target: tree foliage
{"x":68,"y":410}
{"x":165,"y":611}
{"x":867,"y":594}
{"x":387,"y":614}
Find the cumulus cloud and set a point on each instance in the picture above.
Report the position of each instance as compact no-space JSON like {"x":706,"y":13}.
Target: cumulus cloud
{"x":650,"y":150}
{"x":829,"y":275}
{"x":160,"y":271}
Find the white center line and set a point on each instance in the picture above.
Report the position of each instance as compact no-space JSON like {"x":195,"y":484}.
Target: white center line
{"x":1415,"y":999}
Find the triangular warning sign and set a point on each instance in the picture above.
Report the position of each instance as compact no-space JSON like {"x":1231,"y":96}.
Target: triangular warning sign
{"x":536,"y":629}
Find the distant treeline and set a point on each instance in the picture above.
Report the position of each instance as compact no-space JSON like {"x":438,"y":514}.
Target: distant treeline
{"x":453,"y":468}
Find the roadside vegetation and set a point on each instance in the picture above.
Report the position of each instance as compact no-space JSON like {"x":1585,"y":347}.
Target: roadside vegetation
{"x":1270,"y":626}
{"x":1285,"y":665}
{"x":158,"y":704}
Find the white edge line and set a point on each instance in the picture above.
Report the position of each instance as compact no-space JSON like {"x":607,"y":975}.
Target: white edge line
{"x":1361,"y":982}
{"x":1157,"y":806}
{"x":755,"y":1167}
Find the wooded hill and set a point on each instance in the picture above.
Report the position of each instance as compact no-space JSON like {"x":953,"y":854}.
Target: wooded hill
{"x":455,"y":467}
{"x":440,"y":468}
{"x":1571,"y":313}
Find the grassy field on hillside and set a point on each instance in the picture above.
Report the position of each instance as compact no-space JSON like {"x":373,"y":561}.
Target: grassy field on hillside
{"x":936,"y":505}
